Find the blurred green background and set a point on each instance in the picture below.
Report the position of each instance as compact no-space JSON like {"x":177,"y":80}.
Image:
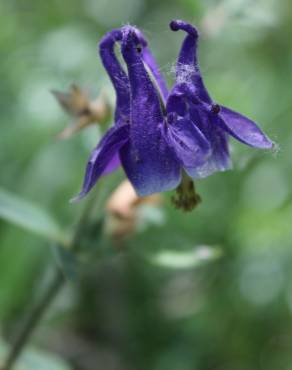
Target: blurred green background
{"x":150,"y":304}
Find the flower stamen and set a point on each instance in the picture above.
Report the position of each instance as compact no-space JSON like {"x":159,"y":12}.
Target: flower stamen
{"x":186,"y":197}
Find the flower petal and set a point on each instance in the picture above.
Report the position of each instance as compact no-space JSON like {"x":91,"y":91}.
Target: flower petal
{"x":187,"y":68}
{"x":120,"y":79}
{"x":176,"y":101}
{"x":113,"y":165}
{"x":151,"y":63}
{"x":188,"y":142}
{"x":182,"y":100}
{"x":149,"y":163}
{"x":117,"y":75}
{"x":102,"y":156}
{"x":150,"y":169}
{"x":219,"y":159}
{"x":244,"y":129}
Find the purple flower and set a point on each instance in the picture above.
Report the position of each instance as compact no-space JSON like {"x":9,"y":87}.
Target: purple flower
{"x":153,"y":144}
{"x":215,"y":121}
{"x":162,"y":139}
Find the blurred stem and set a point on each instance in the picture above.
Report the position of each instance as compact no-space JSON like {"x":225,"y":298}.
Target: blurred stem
{"x":34,"y":318}
{"x":37,"y":312}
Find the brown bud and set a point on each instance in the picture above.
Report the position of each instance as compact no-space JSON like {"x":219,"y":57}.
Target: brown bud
{"x":77,"y":104}
{"x":122,"y":210}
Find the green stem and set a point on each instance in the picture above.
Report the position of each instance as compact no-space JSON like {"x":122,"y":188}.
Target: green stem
{"x":34,"y":318}
{"x":37,"y":313}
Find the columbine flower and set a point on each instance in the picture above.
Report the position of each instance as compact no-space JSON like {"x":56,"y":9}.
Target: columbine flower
{"x":164,"y":139}
{"x":153,"y":141}
{"x":215,"y":121}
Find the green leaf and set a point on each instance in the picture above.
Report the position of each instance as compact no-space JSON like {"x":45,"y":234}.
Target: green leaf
{"x":186,"y":259}
{"x":29,"y":216}
{"x":33,"y":359}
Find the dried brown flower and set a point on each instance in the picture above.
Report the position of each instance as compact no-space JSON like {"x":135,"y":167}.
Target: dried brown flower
{"x":84,"y":112}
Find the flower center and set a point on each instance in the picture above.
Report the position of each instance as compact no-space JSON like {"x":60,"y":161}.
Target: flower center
{"x":186,"y":197}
